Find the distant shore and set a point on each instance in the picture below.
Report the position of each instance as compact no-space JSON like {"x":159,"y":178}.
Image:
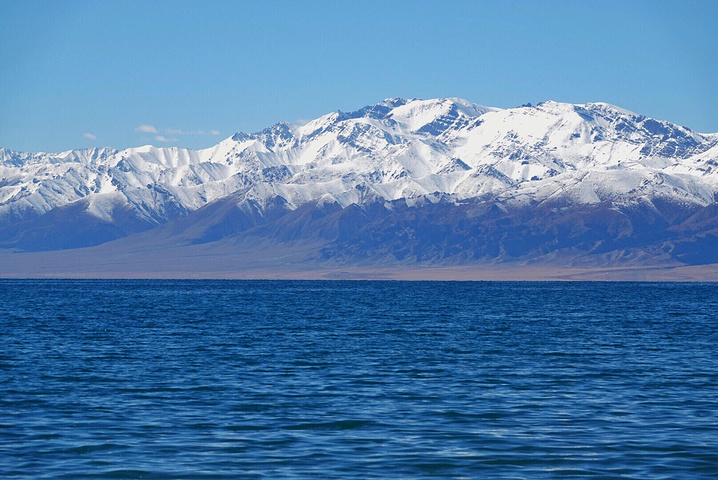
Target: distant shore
{"x":180,"y":264}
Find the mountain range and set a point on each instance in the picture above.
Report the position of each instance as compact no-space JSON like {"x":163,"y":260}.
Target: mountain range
{"x":440,"y":183}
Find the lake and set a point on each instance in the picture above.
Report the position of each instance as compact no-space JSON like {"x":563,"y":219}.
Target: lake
{"x":357,"y":379}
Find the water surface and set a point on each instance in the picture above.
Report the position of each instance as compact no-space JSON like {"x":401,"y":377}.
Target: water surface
{"x":264,"y":379}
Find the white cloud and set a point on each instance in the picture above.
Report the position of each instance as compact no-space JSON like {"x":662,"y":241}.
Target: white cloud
{"x":172,"y":131}
{"x":146,"y":129}
{"x":166,"y":133}
{"x":179,"y":131}
{"x":89,"y":135}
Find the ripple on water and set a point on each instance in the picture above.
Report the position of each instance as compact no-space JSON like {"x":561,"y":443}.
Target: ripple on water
{"x":204,"y":379}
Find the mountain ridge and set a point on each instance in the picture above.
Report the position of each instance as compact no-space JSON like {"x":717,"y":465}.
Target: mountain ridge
{"x":607,"y":184}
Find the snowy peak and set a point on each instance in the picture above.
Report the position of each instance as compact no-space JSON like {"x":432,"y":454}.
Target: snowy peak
{"x":397,"y":149}
{"x":434,"y":117}
{"x":82,"y":156}
{"x":403,"y":115}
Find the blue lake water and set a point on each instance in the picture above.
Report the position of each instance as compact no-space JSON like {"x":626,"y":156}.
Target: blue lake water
{"x":286,"y":379}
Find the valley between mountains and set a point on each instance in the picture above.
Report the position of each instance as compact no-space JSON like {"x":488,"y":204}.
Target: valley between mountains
{"x":435,"y":189}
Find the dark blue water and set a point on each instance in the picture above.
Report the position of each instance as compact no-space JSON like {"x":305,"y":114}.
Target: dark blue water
{"x":225,"y":379}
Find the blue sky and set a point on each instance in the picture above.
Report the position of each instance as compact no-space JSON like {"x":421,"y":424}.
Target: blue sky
{"x":127,"y":73}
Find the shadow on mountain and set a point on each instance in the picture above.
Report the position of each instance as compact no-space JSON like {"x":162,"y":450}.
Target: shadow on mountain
{"x":72,"y":226}
{"x":441,"y":233}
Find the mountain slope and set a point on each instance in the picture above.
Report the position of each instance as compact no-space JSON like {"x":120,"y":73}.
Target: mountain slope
{"x":439,"y":180}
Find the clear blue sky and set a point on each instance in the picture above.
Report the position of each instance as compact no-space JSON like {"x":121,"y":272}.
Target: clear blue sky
{"x":73,"y":70}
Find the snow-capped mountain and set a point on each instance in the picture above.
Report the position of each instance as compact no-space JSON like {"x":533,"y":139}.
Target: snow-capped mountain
{"x":398,"y":154}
